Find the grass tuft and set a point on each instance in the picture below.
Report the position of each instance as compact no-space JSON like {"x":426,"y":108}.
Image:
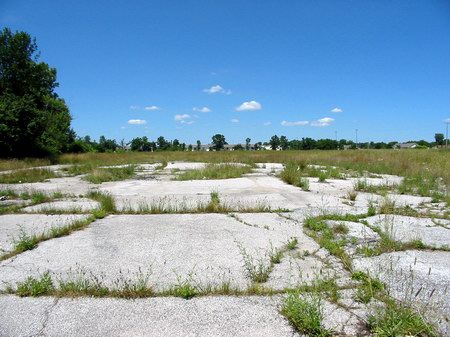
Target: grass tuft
{"x":100,"y":175}
{"x":27,"y":176}
{"x":305,"y":314}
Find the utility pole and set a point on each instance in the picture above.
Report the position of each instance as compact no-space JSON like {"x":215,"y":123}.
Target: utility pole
{"x":356,"y":138}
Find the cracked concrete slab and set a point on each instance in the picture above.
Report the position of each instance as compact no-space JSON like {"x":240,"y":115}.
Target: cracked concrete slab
{"x":201,"y":247}
{"x":205,"y":316}
{"x":406,"y":229}
{"x":419,"y":277}
{"x":67,"y":205}
{"x":12,"y":225}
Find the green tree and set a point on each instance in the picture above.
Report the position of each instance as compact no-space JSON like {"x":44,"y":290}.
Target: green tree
{"x":284,"y":143}
{"x":439,"y":138}
{"x":198,"y":145}
{"x":218,"y":141}
{"x":34,"y":121}
{"x":247,"y":143}
{"x":274,"y":142}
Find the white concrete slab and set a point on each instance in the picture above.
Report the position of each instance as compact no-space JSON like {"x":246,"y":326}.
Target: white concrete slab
{"x":12,"y":225}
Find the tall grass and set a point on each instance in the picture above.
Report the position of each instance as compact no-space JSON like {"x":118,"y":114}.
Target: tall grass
{"x":216,"y":171}
{"x":100,"y":175}
{"x":27,"y":176}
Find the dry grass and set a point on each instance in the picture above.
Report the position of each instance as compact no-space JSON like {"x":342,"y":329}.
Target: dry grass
{"x":435,"y":163}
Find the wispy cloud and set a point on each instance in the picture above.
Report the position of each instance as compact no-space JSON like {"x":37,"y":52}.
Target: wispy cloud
{"x":137,"y":121}
{"x":184,"y":119}
{"x":336,"y":110}
{"x":447,"y":120}
{"x":294,"y":123}
{"x":234,"y":120}
{"x":326,"y":121}
{"x":267,"y":123}
{"x":152,"y":108}
{"x":249,"y":106}
{"x":215,"y":89}
{"x":205,"y":109}
{"x":135,"y":107}
{"x":181,"y":117}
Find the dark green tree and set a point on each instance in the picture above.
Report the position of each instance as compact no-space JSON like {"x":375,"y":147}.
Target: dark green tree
{"x":274,"y":142}
{"x":284,"y":143}
{"x":198,"y":145}
{"x":34,"y":121}
{"x":439,"y":138}
{"x":247,"y":143}
{"x":218,"y":141}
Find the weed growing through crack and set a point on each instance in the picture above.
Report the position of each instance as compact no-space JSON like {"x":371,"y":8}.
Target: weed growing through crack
{"x":368,"y":288}
{"x":25,"y":242}
{"x":306,"y":314}
{"x":351,"y":195}
{"x":106,"y":200}
{"x":43,"y":285}
{"x":396,"y":319}
{"x":257,"y":270}
{"x":291,"y":244}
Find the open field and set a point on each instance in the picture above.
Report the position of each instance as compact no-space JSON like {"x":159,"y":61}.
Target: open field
{"x":349,"y":243}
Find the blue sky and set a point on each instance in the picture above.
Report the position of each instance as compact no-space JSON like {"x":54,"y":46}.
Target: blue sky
{"x":193,"y":68}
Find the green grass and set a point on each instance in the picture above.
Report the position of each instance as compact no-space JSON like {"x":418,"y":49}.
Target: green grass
{"x":35,"y":286}
{"x":25,"y":242}
{"x":397,"y":320}
{"x":100,"y":175}
{"x":106,"y":200}
{"x":215,"y":171}
{"x":27,"y":176}
{"x":368,"y":288}
{"x":305,"y":314}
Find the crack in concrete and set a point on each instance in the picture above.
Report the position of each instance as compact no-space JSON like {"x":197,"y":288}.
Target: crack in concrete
{"x":47,"y":313}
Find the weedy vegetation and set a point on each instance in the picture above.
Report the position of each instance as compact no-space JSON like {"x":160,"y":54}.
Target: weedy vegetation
{"x":27,"y":176}
{"x":216,"y":171}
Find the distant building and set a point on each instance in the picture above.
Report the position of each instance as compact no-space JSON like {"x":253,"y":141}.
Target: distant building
{"x":405,"y":146}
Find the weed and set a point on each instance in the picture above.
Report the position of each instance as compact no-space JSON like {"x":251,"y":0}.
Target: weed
{"x":35,"y":286}
{"x":25,"y":242}
{"x":340,"y":229}
{"x":371,"y":209}
{"x":305,"y":314}
{"x":258,"y":270}
{"x":399,"y":320}
{"x":369,"y":287}
{"x":292,"y":244}
{"x":106,"y":200}
{"x":303,"y":183}
{"x":351,"y":195}
{"x":322,"y":176}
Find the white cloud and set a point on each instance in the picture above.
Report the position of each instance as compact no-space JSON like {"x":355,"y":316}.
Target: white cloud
{"x":447,"y":120}
{"x":134,"y":107}
{"x":337,"y":110}
{"x":249,"y":106}
{"x":205,"y":109}
{"x":182,"y":117}
{"x":215,"y":89}
{"x":152,"y":108}
{"x":186,"y":122}
{"x":234,"y":120}
{"x":267,"y":123}
{"x":296,"y":123}
{"x":326,"y":121}
{"x":137,"y":121}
